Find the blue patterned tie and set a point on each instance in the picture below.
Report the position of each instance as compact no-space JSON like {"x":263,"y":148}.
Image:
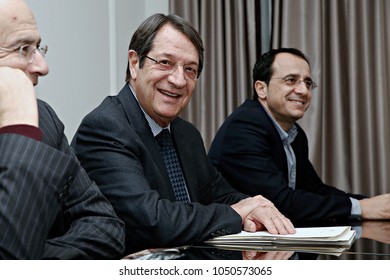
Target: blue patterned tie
{"x":172,"y":164}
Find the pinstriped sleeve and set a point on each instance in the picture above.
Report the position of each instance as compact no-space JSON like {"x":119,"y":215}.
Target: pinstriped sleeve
{"x":49,"y":208}
{"x":87,"y":226}
{"x":31,"y":180}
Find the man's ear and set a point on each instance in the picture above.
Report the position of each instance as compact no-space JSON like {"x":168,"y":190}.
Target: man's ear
{"x":133,"y":63}
{"x":261,"y":89}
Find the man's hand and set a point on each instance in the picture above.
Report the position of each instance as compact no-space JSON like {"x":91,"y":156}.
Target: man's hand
{"x":247,"y":205}
{"x":18,"y":103}
{"x":258,"y":213}
{"x":376,"y":207}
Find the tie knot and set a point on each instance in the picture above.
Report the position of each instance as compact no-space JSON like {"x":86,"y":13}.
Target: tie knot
{"x":164,"y":138}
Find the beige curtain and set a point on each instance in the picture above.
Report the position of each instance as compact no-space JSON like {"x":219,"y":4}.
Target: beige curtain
{"x":348,"y":44}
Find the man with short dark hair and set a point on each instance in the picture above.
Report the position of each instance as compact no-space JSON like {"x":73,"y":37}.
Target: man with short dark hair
{"x":260,"y":149}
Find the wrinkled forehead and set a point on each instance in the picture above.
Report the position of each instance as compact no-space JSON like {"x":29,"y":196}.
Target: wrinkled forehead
{"x":15,"y":17}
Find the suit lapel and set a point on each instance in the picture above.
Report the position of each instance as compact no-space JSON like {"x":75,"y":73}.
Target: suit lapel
{"x":137,"y":120}
{"x":278,"y":149}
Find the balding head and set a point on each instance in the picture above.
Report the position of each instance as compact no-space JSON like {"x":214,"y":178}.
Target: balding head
{"x":18,"y":29}
{"x":15,"y":14}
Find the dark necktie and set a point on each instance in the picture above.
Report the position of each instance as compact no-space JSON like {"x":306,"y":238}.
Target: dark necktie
{"x":172,"y":164}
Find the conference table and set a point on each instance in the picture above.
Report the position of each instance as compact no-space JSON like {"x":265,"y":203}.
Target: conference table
{"x":372,"y":243}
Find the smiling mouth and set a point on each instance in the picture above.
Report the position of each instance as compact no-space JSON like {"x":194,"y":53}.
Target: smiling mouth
{"x":298,"y":102}
{"x":170,"y":94}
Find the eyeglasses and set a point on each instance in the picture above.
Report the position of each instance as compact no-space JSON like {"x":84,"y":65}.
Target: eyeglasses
{"x":293,"y":82}
{"x":168,"y":66}
{"x":27,"y":51}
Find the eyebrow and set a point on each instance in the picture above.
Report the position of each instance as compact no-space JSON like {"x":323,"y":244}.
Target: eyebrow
{"x":172,"y":56}
{"x":308,"y":78}
{"x":26,"y":40}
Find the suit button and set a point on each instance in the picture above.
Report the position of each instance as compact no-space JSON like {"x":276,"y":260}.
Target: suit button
{"x":229,"y":230}
{"x":61,"y":197}
{"x":68,"y":182}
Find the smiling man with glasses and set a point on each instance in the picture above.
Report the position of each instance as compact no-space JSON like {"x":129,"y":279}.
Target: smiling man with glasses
{"x":150,"y":163}
{"x":261,"y":149}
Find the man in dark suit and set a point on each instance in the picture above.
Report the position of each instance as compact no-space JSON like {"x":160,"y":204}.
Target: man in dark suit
{"x":262,"y":150}
{"x":116,"y":145}
{"x":49,"y":208}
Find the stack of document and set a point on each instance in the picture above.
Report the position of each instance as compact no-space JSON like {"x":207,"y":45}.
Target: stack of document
{"x":311,"y":239}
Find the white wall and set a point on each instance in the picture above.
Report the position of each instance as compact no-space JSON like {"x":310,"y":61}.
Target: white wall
{"x":87,"y":57}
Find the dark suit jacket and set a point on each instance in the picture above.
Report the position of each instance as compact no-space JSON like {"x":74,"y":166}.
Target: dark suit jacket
{"x":249,"y":153}
{"x":49,"y":208}
{"x":116,"y":146}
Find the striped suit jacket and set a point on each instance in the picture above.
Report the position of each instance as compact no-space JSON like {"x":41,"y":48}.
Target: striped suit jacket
{"x":49,"y":208}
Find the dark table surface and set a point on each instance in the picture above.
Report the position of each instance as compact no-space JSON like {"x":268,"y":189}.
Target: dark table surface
{"x":373,"y":243}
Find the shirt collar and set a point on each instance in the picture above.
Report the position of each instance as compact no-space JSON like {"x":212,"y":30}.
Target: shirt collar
{"x":287,"y":137}
{"x":156,"y":129}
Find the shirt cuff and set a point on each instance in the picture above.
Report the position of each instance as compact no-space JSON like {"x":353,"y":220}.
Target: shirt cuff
{"x":24,"y":130}
{"x":356,"y":210}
